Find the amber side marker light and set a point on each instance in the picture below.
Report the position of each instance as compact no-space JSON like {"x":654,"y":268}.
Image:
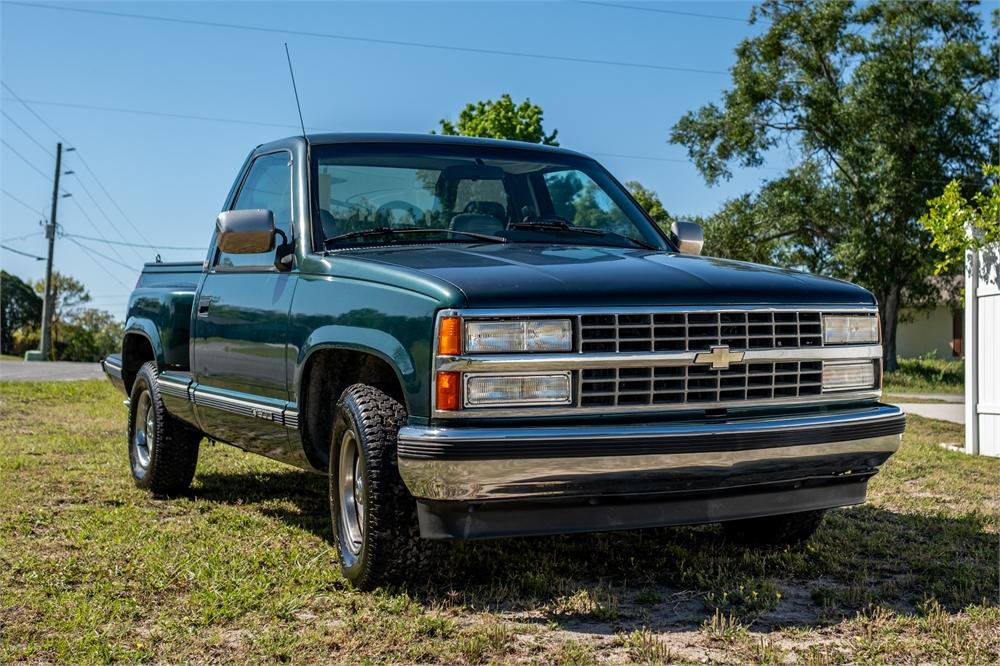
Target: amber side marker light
{"x":450,"y":336}
{"x":448,"y":390}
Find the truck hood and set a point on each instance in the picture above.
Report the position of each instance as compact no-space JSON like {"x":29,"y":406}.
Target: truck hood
{"x":519,"y":275}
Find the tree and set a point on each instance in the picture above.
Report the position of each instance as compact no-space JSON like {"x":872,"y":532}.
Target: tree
{"x":19,"y":308}
{"x":90,"y":335}
{"x":501,"y":120}
{"x":883,"y":102}
{"x":650,"y":201}
{"x":958,"y":224}
{"x":67,"y":297}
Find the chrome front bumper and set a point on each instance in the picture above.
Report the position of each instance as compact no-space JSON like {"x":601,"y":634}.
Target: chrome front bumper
{"x":481,"y":464}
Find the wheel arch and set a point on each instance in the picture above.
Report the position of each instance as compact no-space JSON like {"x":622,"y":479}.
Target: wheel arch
{"x":140,"y":344}
{"x":326,"y":372}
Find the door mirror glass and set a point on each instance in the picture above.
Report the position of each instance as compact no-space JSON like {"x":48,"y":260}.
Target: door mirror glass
{"x":688,"y":236}
{"x":245,"y":231}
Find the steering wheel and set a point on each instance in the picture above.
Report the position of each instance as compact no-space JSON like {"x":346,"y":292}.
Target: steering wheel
{"x":415,"y":213}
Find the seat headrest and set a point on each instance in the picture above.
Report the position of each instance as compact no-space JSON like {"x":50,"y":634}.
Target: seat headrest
{"x":478,"y":224}
{"x":492,"y":208}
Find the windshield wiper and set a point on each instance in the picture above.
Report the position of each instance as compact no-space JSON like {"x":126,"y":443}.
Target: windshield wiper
{"x":549,"y":225}
{"x":392,"y":231}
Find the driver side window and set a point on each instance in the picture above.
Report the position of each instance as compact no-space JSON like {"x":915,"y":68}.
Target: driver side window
{"x":268,"y":185}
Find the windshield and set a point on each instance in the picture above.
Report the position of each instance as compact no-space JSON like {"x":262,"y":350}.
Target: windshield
{"x":442,"y":193}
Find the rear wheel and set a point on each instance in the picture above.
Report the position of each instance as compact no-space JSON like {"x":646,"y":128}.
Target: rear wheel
{"x":162,"y":450}
{"x":775,"y":530}
{"x":374,"y":516}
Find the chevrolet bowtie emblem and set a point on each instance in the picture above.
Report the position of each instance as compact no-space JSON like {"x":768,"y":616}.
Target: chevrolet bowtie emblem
{"x":719,"y":357}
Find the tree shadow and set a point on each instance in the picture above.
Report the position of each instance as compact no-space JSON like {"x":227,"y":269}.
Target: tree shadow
{"x":676,"y":578}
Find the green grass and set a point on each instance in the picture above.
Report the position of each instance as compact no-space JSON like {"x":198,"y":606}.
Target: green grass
{"x":241,"y":569}
{"x":8,"y":357}
{"x":926,"y":375}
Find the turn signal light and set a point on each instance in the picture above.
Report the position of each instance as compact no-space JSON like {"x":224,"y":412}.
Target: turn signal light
{"x":450,"y":337}
{"x":448,"y":390}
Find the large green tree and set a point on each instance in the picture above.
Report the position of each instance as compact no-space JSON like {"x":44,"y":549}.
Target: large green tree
{"x":68,"y":296}
{"x":501,"y":119}
{"x":20,"y":308}
{"x":882,"y":103}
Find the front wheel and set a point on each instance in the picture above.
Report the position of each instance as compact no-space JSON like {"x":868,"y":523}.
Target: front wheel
{"x":775,"y":530}
{"x":374,"y":516}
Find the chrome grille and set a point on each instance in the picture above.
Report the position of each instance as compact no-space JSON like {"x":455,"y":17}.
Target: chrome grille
{"x":692,"y":384}
{"x":696,"y":331}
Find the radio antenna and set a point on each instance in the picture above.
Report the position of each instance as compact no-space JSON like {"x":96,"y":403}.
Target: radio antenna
{"x":295,"y":90}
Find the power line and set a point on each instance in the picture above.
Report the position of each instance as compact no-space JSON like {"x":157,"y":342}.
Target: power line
{"x":21,"y":202}
{"x":167,"y":115}
{"x":33,"y":256}
{"x":26,"y":161}
{"x":103,"y":256}
{"x":108,"y":195}
{"x":370,"y":40}
{"x":153,"y":247}
{"x":21,"y":238}
{"x":658,"y":11}
{"x":32,"y":111}
{"x":99,"y":231}
{"x":102,"y":266}
{"x":113,"y":226}
{"x":84,"y":163}
{"x":14,"y":123}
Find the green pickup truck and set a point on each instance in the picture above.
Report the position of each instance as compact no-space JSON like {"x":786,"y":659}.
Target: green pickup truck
{"x":476,"y":338}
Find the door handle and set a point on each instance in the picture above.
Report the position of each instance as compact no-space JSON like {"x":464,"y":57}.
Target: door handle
{"x":204,"y":303}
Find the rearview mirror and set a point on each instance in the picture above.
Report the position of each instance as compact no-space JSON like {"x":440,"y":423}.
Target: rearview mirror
{"x":688,"y":236}
{"x":245,"y":231}
{"x":472,"y":172}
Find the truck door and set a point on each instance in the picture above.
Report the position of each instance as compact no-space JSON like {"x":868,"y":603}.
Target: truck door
{"x":241,"y":327}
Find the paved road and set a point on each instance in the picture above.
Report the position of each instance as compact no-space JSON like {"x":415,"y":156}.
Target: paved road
{"x":954,"y":412}
{"x":53,"y":371}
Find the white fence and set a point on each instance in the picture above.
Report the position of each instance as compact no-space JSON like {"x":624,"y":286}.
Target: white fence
{"x":982,"y":352}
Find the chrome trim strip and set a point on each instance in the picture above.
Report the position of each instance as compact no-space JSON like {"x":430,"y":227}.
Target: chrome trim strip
{"x":473,"y":480}
{"x":174,"y":387}
{"x":253,"y":408}
{"x":618,"y":433}
{"x":563,"y":361}
{"x":291,"y":419}
{"x":112,"y":368}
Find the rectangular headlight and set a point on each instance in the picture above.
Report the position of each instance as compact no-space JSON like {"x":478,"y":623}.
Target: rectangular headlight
{"x":847,"y":330}
{"x":490,"y":337}
{"x":513,"y":390}
{"x":848,"y":376}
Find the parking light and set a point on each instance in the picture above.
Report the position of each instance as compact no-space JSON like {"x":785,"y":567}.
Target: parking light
{"x":511,"y":390}
{"x":450,"y":336}
{"x":845,"y":376}
{"x":448,"y":390}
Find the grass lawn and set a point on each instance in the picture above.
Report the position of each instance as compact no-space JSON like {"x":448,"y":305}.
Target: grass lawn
{"x":241,"y":570}
{"x":926,"y":375}
{"x":8,"y":357}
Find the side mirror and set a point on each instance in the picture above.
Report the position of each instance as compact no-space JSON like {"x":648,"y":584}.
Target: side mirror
{"x":688,"y":236}
{"x":245,"y":231}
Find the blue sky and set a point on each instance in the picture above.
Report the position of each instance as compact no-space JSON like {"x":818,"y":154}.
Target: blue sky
{"x":161,"y":179}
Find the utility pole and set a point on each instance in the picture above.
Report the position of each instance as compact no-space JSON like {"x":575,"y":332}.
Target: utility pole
{"x":50,"y":233}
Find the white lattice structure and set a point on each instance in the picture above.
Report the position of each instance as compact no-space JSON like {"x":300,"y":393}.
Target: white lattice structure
{"x":982,"y":352}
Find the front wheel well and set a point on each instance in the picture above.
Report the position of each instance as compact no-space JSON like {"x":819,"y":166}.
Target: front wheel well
{"x":327,"y":374}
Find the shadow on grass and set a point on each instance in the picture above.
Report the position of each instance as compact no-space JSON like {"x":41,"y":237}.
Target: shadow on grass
{"x":860,"y":556}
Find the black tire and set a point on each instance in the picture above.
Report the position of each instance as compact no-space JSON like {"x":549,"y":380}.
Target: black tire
{"x":788,"y":528}
{"x":162,"y":450}
{"x":378,"y":537}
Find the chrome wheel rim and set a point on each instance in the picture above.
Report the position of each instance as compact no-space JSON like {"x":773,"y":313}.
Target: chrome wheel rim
{"x":145,"y":433}
{"x":352,"y":492}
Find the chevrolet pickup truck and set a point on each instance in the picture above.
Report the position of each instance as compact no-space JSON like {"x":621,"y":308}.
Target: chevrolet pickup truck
{"x":476,"y":338}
